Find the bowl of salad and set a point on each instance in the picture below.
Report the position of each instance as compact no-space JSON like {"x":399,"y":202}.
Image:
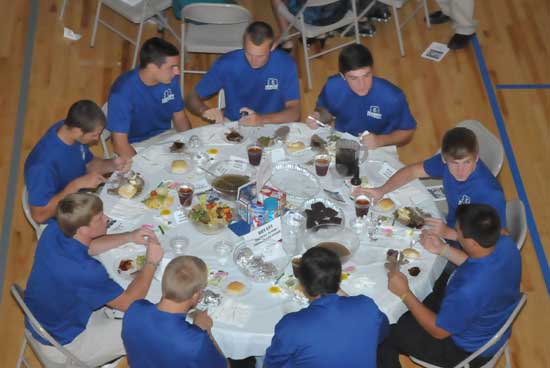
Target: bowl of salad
{"x":210,"y":216}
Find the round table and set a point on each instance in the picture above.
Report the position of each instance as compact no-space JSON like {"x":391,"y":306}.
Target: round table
{"x":251,"y":336}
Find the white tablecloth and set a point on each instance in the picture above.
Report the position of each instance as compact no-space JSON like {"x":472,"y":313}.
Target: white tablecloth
{"x":265,"y":309}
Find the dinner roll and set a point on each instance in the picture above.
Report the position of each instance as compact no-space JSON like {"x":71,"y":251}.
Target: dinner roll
{"x":296,"y":146}
{"x":385,"y":204}
{"x":127,"y":191}
{"x":179,"y":166}
{"x":235,"y":287}
{"x":411,"y":253}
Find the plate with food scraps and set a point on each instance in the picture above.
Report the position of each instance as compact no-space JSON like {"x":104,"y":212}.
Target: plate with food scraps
{"x":128,"y":266}
{"x":234,"y":136}
{"x":297,"y":182}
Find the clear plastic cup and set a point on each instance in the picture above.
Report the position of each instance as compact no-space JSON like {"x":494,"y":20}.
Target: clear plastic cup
{"x":179,"y":244}
{"x":223,"y":250}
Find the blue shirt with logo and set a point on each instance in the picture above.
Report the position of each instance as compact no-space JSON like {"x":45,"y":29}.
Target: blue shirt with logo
{"x":383,"y":110}
{"x":481,"y":187}
{"x":480,"y":296}
{"x":333,"y":331}
{"x":158,"y":339}
{"x":66,"y":286}
{"x":52,"y":164}
{"x":264,"y":90}
{"x":142,"y":111}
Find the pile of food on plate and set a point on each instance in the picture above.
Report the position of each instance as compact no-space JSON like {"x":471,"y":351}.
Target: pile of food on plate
{"x":412,"y":217}
{"x":234,"y":136}
{"x":320,"y":214}
{"x":211,"y":211}
{"x":129,"y":266}
{"x":126,"y":185}
{"x":159,"y":198}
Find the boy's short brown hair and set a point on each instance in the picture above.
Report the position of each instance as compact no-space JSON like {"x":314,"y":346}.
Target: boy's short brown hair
{"x":76,"y":210}
{"x":183,"y":277}
{"x":459,"y":143}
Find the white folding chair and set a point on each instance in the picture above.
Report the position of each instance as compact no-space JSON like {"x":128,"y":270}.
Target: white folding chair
{"x":310,"y":31}
{"x":399,"y":25}
{"x":504,"y":349}
{"x":105,"y":135}
{"x":138,"y":13}
{"x":211,"y":29}
{"x":73,"y":361}
{"x":63,"y":6}
{"x":516,"y":221}
{"x":27,"y":210}
{"x":491,"y":150}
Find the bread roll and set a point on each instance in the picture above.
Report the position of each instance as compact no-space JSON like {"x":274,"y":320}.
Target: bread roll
{"x":296,"y":146}
{"x":385,"y":204}
{"x":411,"y":253}
{"x":235,"y":287}
{"x":179,"y":166}
{"x":127,"y":191}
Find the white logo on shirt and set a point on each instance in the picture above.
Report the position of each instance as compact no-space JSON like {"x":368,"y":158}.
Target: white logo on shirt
{"x":167,"y":96}
{"x":82,"y":152}
{"x":374,"y":112}
{"x":272,"y":84}
{"x":465,"y":199}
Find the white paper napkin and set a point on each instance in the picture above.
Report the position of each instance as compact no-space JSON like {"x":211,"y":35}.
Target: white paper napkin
{"x":232,"y":313}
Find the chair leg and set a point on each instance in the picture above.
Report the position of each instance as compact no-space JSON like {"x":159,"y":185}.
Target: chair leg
{"x":306,"y":59}
{"x":507,"y":356}
{"x":62,"y":12}
{"x":96,"y":22}
{"x":140,"y":32}
{"x":182,"y":59}
{"x":426,"y":13}
{"x":398,"y":28}
{"x":21,"y":358}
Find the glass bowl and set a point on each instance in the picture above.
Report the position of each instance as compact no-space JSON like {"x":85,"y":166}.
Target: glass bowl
{"x":337,"y":238}
{"x":264,"y":262}
{"x":230,"y":175}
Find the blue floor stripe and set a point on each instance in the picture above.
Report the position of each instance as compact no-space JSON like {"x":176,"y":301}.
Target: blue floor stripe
{"x":18,"y":139}
{"x":513,"y":163}
{"x":523,"y":86}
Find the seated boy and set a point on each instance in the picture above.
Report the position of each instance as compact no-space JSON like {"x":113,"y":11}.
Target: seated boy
{"x":333,"y":331}
{"x":158,"y":336}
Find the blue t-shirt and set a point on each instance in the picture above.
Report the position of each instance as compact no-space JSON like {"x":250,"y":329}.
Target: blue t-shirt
{"x":480,"y":296}
{"x":157,"y":339}
{"x":481,"y":187}
{"x":383,"y":110}
{"x":142,"y":111}
{"x":333,"y":331}
{"x":66,"y":286}
{"x":52,"y":164}
{"x":264,"y":90}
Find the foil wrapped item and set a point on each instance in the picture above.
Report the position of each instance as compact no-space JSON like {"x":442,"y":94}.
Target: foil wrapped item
{"x":254,"y":266}
{"x":209,"y":299}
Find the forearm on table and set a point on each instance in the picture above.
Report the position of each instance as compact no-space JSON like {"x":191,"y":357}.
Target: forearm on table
{"x":195,"y":104}
{"x":397,"y":138}
{"x":122,"y":146}
{"x":136,"y":290}
{"x":41,"y":214}
{"x":403,"y":176}
{"x":454,"y":255}
{"x":181,"y":122}
{"x":424,"y":316}
{"x":290,"y":113}
{"x":107,"y":242}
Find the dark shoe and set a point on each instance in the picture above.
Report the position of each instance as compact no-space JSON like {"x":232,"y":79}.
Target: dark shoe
{"x":379,"y":13}
{"x":367,"y":29}
{"x":439,"y":17}
{"x":285,"y":49}
{"x":459,"y":41}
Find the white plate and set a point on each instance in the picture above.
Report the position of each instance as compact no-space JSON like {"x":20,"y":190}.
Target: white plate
{"x":224,"y":137}
{"x":298,"y":183}
{"x":230,"y":279}
{"x":168,"y":166}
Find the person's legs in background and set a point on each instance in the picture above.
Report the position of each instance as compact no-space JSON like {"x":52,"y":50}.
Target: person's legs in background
{"x":461,"y":13}
{"x":282,"y":14}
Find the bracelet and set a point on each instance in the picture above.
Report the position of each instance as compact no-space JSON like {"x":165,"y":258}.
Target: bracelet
{"x":445,"y":251}
{"x":404,"y":296}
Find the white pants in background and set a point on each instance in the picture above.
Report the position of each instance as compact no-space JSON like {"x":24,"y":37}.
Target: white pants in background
{"x":99,"y":343}
{"x":461,"y":13}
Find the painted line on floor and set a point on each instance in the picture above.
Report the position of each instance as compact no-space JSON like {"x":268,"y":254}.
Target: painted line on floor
{"x":18,"y":139}
{"x":522,"y":86}
{"x":520,"y":188}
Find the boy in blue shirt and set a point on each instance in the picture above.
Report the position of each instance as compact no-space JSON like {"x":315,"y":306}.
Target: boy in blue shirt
{"x":364,"y":105}
{"x":261,"y":86}
{"x":158,"y":336}
{"x":61,"y":162}
{"x":334,"y":330}
{"x":143,"y":102}
{"x":466,"y":179}
{"x":67,"y":288}
{"x":480,"y":296}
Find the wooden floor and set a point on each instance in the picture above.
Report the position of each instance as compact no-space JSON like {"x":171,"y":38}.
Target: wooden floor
{"x":514,"y":38}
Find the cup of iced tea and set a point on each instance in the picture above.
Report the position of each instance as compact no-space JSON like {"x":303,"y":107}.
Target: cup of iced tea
{"x":255,"y":154}
{"x":322,"y":163}
{"x":296,"y":266}
{"x":362,"y":205}
{"x":185,"y":194}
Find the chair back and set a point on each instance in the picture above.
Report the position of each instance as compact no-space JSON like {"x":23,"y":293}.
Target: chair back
{"x":491,"y":150}
{"x":311,"y":3}
{"x":216,"y":13}
{"x":516,"y":221}
{"x":19,"y":296}
{"x":27,"y":211}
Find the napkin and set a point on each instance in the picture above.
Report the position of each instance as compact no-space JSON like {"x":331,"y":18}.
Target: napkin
{"x":127,"y":211}
{"x":231,"y":312}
